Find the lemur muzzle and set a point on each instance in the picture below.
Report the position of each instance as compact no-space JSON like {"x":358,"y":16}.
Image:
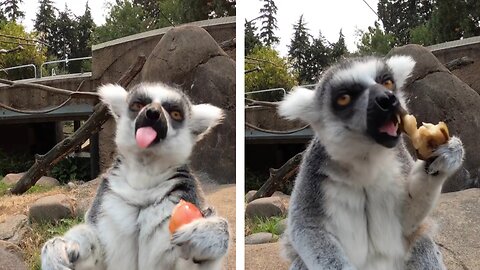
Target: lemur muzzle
{"x":150,"y":126}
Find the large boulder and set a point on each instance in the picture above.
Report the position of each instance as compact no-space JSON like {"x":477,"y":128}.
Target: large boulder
{"x":190,"y":58}
{"x":44,"y":181}
{"x":434,"y":94}
{"x":11,"y":261}
{"x":265,"y":208}
{"x":51,"y":208}
{"x":11,"y":229}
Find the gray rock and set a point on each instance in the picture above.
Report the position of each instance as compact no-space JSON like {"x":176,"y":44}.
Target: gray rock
{"x":207,"y":75}
{"x":281,"y":226}
{"x":265,"y":207}
{"x":249,"y":195}
{"x":51,"y":208}
{"x":11,"y":261}
{"x":260,"y":238}
{"x":284,"y":197}
{"x":435,"y":95}
{"x":83,"y":205}
{"x":458,"y":216}
{"x":44,"y":181}
{"x":11,"y":227}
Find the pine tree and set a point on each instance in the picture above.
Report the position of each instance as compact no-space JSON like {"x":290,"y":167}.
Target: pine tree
{"x":45,"y":23}
{"x":151,"y":12}
{"x":12,"y":10}
{"x":269,"y":23}
{"x":86,"y":25}
{"x":339,"y":49}
{"x":251,"y":38}
{"x":320,"y":59}
{"x":299,"y":51}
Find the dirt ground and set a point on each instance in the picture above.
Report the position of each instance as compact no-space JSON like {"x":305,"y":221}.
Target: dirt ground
{"x":264,"y":257}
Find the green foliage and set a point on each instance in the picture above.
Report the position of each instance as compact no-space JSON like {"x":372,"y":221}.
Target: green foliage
{"x":45,"y":23}
{"x":375,"y":41}
{"x":11,"y":10}
{"x":14,"y":163}
{"x":3,"y":188}
{"x":273,"y":74}
{"x":71,"y":168}
{"x":269,"y":23}
{"x":300,"y":51}
{"x":251,"y":38}
{"x":31,"y":54}
{"x":421,"y":35}
{"x":269,"y":225}
{"x":339,"y":49}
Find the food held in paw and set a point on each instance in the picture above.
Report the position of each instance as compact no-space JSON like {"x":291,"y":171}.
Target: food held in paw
{"x":426,"y":138}
{"x":183,"y":213}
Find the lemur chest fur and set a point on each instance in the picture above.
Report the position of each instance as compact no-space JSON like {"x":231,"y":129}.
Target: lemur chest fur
{"x":366,"y":220}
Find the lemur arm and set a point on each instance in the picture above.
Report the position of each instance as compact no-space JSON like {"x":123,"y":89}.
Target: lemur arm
{"x":317,"y":248}
{"x":426,"y":180}
{"x":205,"y":241}
{"x":78,"y":249}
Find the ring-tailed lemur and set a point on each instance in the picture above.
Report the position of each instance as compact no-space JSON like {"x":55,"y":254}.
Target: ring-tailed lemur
{"x":360,"y":201}
{"x":127,"y":224}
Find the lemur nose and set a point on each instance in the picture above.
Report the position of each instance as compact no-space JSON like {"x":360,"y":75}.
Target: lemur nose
{"x":152,"y":113}
{"x":387,"y":100}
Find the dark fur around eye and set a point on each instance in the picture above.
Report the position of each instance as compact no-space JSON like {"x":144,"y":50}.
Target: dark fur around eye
{"x":135,"y":103}
{"x":353,"y":90}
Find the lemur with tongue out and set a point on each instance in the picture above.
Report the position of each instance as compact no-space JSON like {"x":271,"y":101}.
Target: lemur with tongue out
{"x":360,"y":201}
{"x":127,"y":224}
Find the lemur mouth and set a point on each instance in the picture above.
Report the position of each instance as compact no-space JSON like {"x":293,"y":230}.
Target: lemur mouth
{"x":391,"y":126}
{"x":145,"y":136}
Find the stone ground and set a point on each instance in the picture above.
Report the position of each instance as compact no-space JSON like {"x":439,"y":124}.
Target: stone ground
{"x":458,"y":217}
{"x":222,"y":197}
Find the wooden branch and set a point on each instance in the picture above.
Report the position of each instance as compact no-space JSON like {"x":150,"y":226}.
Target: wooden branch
{"x":43,"y":163}
{"x":24,"y":85}
{"x":278,"y":177}
{"x":5,"y":51}
{"x":459,"y":63}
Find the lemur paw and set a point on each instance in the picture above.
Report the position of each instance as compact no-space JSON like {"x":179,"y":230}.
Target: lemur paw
{"x":60,"y":254}
{"x":447,"y":159}
{"x":202,"y":240}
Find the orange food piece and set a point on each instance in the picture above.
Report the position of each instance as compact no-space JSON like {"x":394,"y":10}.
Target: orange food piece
{"x":183,"y":213}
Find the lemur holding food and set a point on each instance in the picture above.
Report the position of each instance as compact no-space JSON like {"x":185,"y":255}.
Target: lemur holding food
{"x":360,"y":201}
{"x":129,"y":225}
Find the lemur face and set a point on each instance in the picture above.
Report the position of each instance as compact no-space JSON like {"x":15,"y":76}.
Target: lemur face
{"x":158,"y":119}
{"x":358,"y":100}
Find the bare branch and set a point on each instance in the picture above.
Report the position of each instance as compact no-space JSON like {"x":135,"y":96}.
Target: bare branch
{"x":73,"y":94}
{"x":5,"y":51}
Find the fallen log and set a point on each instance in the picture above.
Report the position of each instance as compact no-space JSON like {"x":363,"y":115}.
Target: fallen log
{"x":278,"y":177}
{"x":43,"y":163}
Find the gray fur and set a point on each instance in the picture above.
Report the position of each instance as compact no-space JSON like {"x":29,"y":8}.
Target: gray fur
{"x":425,"y":255}
{"x":356,"y":201}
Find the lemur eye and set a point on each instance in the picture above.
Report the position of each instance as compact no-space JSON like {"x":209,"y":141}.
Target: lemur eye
{"x":388,"y":84}
{"x":344,"y":100}
{"x":176,"y":115}
{"x":136,"y":106}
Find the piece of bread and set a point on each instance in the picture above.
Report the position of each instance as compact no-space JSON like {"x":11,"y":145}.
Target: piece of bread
{"x":426,"y":138}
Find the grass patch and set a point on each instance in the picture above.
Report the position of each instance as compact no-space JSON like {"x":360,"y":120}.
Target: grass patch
{"x":35,"y":189}
{"x":38,"y":234}
{"x":3,"y":188}
{"x":257,"y":225}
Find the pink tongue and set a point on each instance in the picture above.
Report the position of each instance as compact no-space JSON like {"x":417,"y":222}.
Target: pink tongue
{"x":389,"y":128}
{"x":145,"y":136}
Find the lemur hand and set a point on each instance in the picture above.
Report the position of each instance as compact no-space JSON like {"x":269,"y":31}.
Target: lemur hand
{"x":59,"y":253}
{"x":446,"y":159}
{"x":203,"y":239}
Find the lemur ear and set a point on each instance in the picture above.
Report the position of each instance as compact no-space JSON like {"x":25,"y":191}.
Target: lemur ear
{"x":204,"y":117}
{"x":115,"y":97}
{"x":401,"y":66}
{"x":299,"y":104}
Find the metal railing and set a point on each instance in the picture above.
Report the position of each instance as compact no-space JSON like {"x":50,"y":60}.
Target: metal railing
{"x":66,"y":61}
{"x":267,"y":90}
{"x":22,"y":66}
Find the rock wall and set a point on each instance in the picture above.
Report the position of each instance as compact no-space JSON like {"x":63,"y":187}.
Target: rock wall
{"x":435,"y":94}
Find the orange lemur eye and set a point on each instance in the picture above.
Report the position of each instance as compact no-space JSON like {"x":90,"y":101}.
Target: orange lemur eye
{"x":344,"y":100}
{"x":388,"y":84}
{"x":176,"y":115}
{"x":136,"y":106}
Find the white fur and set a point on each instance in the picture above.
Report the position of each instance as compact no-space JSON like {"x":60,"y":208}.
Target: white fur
{"x":115,"y":97}
{"x":401,"y":66}
{"x":205,"y":116}
{"x":360,"y":72}
{"x":299,"y":104}
{"x":131,"y":229}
